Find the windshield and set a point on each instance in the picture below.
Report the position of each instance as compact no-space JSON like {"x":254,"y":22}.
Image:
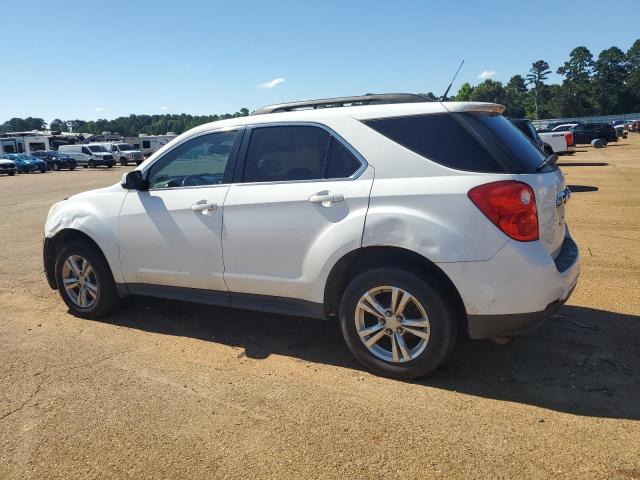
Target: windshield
{"x":97,"y":148}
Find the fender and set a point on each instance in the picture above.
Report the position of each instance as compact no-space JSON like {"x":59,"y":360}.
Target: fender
{"x":94,"y":213}
{"x":421,"y":219}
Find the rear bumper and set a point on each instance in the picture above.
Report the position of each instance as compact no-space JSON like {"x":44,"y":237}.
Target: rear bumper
{"x":517,"y":290}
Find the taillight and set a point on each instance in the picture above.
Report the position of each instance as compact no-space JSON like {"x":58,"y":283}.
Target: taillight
{"x":569,"y":137}
{"x":511,"y":206}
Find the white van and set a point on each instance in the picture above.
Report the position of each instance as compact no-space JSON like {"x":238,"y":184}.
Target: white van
{"x":90,"y":155}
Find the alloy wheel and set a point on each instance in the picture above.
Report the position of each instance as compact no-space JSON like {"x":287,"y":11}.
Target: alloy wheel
{"x":80,"y":282}
{"x":392,"y":324}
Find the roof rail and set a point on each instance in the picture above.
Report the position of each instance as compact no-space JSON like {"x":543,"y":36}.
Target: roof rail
{"x":371,"y":99}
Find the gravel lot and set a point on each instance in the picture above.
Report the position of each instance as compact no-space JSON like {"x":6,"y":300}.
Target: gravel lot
{"x":171,"y":390}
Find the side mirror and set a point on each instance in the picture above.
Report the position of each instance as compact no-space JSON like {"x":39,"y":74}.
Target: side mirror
{"x":134,"y":181}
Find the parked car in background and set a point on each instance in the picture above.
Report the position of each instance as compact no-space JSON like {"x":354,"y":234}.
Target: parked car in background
{"x":620,"y":130}
{"x":584,"y":133}
{"x":89,"y":155}
{"x":27,"y":163}
{"x":525,"y":126}
{"x":460,"y":230}
{"x":125,"y":153}
{"x":8,"y":167}
{"x":558,"y":140}
{"x":56,"y":160}
{"x":564,"y":127}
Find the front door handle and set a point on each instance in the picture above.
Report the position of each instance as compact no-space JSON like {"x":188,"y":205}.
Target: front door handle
{"x":326,"y":199}
{"x":204,"y":206}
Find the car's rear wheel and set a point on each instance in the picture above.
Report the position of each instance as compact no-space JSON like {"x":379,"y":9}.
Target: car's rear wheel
{"x":91,"y":164}
{"x":123,"y":161}
{"x":397,"y":323}
{"x":84,"y":281}
{"x":56,"y":167}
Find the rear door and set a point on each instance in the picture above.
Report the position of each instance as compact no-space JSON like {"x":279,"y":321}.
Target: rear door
{"x":300,"y":195}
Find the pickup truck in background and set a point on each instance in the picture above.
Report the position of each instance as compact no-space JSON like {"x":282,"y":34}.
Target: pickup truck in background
{"x":560,"y":143}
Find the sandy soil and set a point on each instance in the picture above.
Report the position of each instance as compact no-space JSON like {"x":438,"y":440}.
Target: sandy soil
{"x":164,"y":389}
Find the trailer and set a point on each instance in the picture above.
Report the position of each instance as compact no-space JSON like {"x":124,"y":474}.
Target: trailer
{"x":25,"y":142}
{"x":149,"y":144}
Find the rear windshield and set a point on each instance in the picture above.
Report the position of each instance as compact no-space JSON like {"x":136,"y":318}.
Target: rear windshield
{"x":475,"y":142}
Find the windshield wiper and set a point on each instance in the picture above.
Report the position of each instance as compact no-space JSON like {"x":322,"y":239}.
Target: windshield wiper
{"x":550,"y":160}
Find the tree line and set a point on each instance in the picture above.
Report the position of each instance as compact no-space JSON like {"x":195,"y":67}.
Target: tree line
{"x":606,"y":85}
{"x":126,"y":126}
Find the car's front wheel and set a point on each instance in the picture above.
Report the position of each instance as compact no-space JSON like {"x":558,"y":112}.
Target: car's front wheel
{"x":397,"y":323}
{"x":84,"y":281}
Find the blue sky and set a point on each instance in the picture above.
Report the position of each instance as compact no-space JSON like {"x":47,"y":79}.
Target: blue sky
{"x":104,"y":59}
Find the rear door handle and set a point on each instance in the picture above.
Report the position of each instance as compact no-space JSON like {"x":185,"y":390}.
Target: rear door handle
{"x":325,"y":198}
{"x":204,"y":207}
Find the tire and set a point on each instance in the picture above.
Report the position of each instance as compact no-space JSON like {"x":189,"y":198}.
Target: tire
{"x":11,"y":174}
{"x":43,"y":170}
{"x":123,"y":162}
{"x":604,"y":141}
{"x":56,"y":167}
{"x":84,"y":166}
{"x":106,"y":296}
{"x":548,"y":150}
{"x":110,"y":165}
{"x":91,"y":164}
{"x":71,"y":169}
{"x":420,"y":356}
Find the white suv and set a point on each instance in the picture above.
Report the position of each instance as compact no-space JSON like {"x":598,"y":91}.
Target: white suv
{"x":409,"y":221}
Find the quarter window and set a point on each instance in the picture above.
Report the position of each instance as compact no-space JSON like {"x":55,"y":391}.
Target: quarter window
{"x":198,"y":162}
{"x":340,"y":163}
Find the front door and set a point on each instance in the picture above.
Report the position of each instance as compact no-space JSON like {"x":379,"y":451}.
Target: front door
{"x":301,"y":197}
{"x":170,"y":235}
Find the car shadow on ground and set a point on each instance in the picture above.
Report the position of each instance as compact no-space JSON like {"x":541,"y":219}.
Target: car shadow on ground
{"x":582,"y":164}
{"x":582,"y":188}
{"x":582,"y":361}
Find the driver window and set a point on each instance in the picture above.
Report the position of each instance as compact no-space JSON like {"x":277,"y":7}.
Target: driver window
{"x":201,"y":161}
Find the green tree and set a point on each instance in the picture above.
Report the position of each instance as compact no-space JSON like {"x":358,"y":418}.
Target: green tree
{"x":538,"y":73}
{"x":489,"y":91}
{"x":611,"y":69}
{"x":577,"y":83}
{"x":57,"y":125}
{"x":464,"y":93}
{"x":516,"y":96}
{"x":633,"y":78}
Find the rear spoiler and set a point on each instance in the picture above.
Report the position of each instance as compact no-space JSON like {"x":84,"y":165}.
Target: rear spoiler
{"x":455,"y":107}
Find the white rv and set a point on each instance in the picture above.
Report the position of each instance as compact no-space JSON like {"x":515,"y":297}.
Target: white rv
{"x":24,"y":142}
{"x":150,"y":143}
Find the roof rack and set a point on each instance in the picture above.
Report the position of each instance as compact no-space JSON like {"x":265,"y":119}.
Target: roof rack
{"x":371,"y":99}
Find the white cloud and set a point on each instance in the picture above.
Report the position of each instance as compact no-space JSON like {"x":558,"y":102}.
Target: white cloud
{"x":271,"y":84}
{"x":164,"y":108}
{"x":487,"y":74}
{"x":99,"y":109}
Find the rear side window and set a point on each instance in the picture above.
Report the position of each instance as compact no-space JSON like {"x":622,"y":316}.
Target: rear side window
{"x":286,"y":153}
{"x":475,"y":142}
{"x":290,"y":153}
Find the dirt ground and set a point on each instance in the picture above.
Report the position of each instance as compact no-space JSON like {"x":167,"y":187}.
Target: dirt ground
{"x":164,"y":389}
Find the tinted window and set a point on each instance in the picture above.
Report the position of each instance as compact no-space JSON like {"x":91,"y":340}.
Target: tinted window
{"x":201,"y":161}
{"x":503,"y":141}
{"x":86,"y":151}
{"x":439,"y":138}
{"x":340,"y":163}
{"x":476,"y":142}
{"x":286,"y":153}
